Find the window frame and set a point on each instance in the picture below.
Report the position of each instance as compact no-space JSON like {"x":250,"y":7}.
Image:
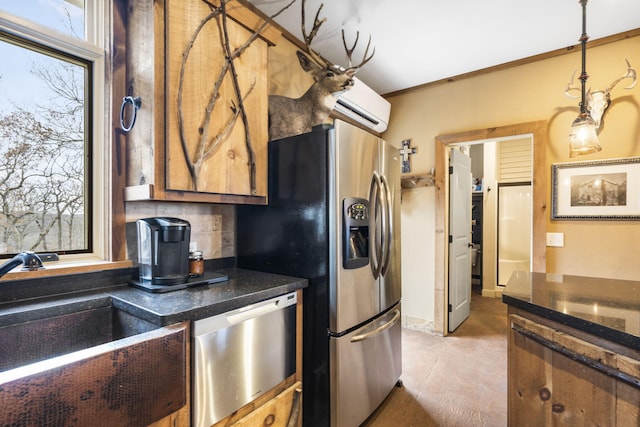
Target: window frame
{"x":92,"y":50}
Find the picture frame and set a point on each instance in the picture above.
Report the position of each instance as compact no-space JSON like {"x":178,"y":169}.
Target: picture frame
{"x":596,"y":190}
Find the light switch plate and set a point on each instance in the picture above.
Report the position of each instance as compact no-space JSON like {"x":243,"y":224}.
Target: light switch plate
{"x":555,"y":239}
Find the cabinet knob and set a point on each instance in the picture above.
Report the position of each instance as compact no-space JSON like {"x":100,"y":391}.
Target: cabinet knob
{"x":557,"y":408}
{"x":269,"y":420}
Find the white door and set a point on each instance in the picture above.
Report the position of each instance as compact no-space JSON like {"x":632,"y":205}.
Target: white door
{"x":459,"y":238}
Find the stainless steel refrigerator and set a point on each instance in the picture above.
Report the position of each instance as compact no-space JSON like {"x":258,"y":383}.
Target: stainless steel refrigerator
{"x":333,"y":217}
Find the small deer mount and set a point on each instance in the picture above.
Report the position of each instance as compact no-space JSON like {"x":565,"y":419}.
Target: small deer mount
{"x":598,"y":101}
{"x":293,"y":116}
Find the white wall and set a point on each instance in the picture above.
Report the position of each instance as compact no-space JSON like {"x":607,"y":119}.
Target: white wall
{"x":526,"y":93}
{"x":418,"y":258}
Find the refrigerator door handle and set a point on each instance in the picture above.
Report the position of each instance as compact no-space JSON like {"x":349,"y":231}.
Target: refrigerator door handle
{"x":387,"y":224}
{"x":384,"y":223}
{"x":377,"y":234}
{"x":379,"y":329}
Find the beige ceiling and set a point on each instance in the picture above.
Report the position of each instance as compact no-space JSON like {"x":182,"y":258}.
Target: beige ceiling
{"x":421,"y":41}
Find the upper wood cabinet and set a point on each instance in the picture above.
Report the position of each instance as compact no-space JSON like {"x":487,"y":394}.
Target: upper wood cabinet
{"x":201,"y":131}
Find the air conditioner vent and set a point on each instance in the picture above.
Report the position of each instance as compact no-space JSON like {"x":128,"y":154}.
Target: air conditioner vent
{"x":365,"y":106}
{"x":359,"y":113}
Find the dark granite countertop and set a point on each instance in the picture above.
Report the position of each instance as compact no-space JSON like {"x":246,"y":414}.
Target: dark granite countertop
{"x":244,"y":287}
{"x":607,"y":308}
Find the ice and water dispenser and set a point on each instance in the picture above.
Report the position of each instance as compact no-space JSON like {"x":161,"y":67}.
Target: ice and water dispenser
{"x":356,"y":232}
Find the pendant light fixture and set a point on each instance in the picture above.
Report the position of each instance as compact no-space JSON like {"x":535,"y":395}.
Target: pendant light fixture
{"x":583,"y":138}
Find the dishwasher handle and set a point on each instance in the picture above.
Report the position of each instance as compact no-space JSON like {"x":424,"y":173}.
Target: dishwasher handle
{"x":251,"y":313}
{"x":239,"y":315}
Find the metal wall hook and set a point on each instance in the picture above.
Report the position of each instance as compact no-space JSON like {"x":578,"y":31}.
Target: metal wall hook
{"x":135,"y":102}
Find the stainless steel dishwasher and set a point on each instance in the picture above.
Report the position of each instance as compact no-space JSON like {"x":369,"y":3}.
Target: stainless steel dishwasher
{"x":241,"y":354}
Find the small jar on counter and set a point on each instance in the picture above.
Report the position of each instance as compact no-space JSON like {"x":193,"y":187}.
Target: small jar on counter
{"x":196,"y":264}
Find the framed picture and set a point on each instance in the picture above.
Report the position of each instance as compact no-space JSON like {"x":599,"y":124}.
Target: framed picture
{"x":597,"y":190}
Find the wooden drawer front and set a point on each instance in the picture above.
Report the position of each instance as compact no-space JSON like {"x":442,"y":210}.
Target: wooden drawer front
{"x":278,"y":411}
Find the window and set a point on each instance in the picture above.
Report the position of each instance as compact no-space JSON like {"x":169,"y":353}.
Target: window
{"x":51,"y":127}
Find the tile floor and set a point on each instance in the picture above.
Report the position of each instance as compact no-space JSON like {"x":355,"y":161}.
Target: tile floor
{"x":460,"y":380}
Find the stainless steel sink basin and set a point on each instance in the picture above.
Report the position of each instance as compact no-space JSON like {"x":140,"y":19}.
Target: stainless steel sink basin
{"x":45,"y":330}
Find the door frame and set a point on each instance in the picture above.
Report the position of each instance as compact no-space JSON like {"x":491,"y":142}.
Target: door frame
{"x":538,"y":130}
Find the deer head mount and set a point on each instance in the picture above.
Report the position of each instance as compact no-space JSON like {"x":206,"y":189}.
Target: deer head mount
{"x":293,"y":116}
{"x":598,"y":101}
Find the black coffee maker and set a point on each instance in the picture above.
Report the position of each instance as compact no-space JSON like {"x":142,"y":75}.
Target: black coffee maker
{"x":163,"y":250}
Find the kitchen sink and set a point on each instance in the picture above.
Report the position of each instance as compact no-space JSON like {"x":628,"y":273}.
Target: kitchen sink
{"x":83,"y":359}
{"x":45,"y":330}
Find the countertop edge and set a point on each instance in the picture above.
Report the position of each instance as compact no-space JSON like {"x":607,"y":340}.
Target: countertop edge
{"x":224,"y":306}
{"x":592,"y":328}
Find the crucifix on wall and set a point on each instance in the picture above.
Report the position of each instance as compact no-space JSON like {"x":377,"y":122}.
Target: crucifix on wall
{"x":405,"y":152}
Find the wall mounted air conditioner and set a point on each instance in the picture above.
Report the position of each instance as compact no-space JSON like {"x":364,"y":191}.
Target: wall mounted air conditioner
{"x":364,"y":105}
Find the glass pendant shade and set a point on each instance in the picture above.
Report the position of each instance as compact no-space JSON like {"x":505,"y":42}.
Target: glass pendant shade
{"x":583,"y":138}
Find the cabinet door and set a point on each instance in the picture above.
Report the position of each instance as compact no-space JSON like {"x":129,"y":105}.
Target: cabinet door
{"x":216,"y":107}
{"x":547,"y":386}
{"x":529,"y":389}
{"x":178,"y":418}
{"x":627,"y":405}
{"x":581,"y":395}
{"x":281,"y":411}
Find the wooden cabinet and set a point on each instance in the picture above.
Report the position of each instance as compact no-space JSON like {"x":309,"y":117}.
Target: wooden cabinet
{"x":177,"y":419}
{"x":201,"y":131}
{"x":561,"y":376}
{"x":283,"y":409}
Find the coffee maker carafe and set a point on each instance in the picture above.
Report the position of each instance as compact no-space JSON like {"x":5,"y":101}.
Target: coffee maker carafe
{"x":163,"y":250}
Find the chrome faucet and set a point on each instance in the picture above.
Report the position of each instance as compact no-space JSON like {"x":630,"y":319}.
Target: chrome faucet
{"x":30,"y":261}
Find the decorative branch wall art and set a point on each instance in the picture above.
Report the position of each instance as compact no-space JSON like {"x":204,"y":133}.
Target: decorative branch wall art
{"x":216,"y":99}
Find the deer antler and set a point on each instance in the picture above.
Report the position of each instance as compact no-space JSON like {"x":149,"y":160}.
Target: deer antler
{"x":317,"y":23}
{"x":308,"y":38}
{"x":631,"y":73}
{"x":571,"y":87}
{"x":293,"y":116}
{"x":365,"y":58}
